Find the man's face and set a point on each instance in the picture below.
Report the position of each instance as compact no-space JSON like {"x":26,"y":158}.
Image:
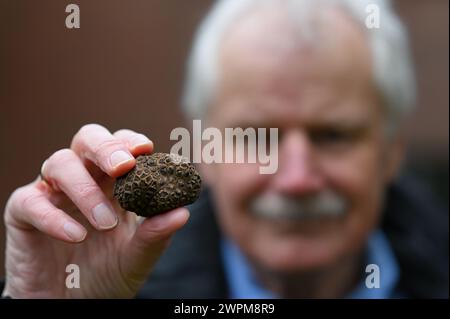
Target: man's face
{"x":331,"y":139}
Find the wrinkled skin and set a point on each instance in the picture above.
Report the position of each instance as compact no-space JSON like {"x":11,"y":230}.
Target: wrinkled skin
{"x":115,"y":254}
{"x":332,"y":135}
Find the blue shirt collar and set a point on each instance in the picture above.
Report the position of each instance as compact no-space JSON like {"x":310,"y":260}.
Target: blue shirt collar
{"x":242,"y":283}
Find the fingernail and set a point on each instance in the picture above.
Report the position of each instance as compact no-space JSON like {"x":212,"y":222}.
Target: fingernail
{"x":104,"y":216}
{"x":140,"y":140}
{"x":75,"y":232}
{"x":120,"y":157}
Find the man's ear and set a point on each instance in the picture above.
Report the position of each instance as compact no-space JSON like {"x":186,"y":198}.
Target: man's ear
{"x":395,"y":156}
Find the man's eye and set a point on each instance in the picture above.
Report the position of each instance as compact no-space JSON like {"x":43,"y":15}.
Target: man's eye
{"x":329,"y":137}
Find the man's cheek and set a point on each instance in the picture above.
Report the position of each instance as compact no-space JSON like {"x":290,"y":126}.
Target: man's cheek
{"x":361,"y":183}
{"x":359,"y":180}
{"x":355,"y":173}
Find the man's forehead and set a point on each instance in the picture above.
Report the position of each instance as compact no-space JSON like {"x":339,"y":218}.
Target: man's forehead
{"x":261,"y":28}
{"x":263,"y":58}
{"x":266,"y":39}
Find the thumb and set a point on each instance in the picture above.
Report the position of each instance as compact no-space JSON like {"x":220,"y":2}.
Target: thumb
{"x":148,"y":243}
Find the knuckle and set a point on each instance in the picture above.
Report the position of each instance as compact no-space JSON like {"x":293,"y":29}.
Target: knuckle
{"x":16,"y":194}
{"x":89,"y":128}
{"x":23,"y":199}
{"x":140,"y":136}
{"x":123,"y":132}
{"x":45,"y":218}
{"x":86,"y":191}
{"x":62,"y":156}
{"x":12,"y":204}
{"x":83,"y":132}
{"x":106,"y":147}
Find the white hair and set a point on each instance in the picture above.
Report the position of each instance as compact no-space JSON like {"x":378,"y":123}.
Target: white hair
{"x":392,"y":67}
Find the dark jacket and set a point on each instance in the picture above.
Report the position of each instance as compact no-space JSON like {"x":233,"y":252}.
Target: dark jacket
{"x":416,"y":228}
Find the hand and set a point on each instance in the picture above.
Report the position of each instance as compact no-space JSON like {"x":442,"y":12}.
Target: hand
{"x":71,"y":218}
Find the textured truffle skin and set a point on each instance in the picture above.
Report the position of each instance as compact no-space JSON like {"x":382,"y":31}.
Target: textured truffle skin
{"x":159,"y":182}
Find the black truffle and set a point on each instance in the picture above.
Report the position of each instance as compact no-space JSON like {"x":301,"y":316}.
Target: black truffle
{"x":159,"y":182}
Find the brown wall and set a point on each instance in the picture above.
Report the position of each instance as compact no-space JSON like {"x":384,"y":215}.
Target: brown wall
{"x":124,"y":68}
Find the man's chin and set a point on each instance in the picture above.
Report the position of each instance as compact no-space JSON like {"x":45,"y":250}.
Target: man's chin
{"x":294,"y":263}
{"x":295,"y":251}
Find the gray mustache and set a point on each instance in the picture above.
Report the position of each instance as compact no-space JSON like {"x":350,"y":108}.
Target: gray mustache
{"x":277,"y":206}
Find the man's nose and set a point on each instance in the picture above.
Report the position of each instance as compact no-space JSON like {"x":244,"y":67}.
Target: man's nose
{"x":298,"y":173}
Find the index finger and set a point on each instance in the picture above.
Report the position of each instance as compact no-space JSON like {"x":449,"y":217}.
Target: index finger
{"x":97,"y":144}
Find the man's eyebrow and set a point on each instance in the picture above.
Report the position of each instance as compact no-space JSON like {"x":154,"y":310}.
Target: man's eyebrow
{"x":248,"y":124}
{"x":254,"y":122}
{"x":339,"y":119}
{"x":356,"y":125}
{"x":348,"y":125}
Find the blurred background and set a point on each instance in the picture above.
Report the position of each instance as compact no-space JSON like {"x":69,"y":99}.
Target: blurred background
{"x":124,"y":69}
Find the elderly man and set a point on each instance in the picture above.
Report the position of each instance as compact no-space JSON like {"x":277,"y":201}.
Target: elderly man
{"x":330,"y":223}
